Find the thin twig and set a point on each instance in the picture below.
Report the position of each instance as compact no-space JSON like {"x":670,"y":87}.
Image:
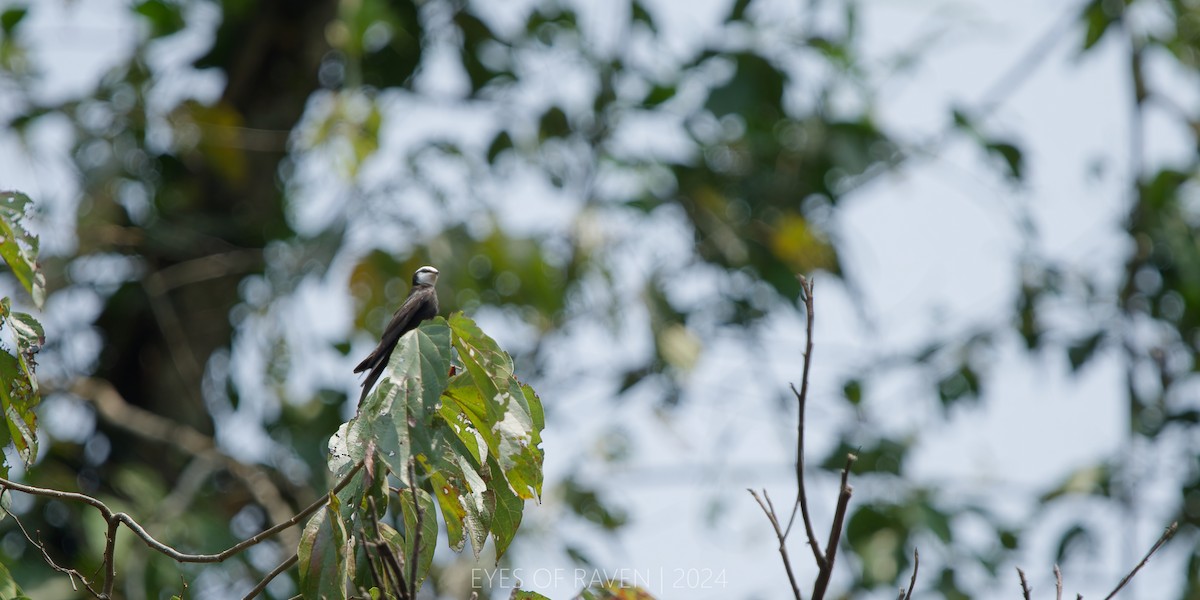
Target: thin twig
{"x":835,"y":531}
{"x":394,"y":570}
{"x":371,"y":563}
{"x":262,"y":585}
{"x":70,"y":573}
{"x":912,"y":583}
{"x":1025,"y":591}
{"x":1161,"y":540}
{"x":806,"y":286}
{"x":1058,"y":585}
{"x":783,"y":553}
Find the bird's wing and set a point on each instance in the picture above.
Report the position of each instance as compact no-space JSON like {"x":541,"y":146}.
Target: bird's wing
{"x":401,"y":322}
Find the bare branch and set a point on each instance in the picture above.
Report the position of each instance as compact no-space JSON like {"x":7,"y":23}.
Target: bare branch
{"x":806,"y":287}
{"x":262,"y":585}
{"x":1025,"y":591}
{"x":835,"y":531}
{"x":70,"y":573}
{"x":110,"y":559}
{"x":1170,"y":531}
{"x":783,"y":553}
{"x":1058,"y":585}
{"x":912,"y":583}
{"x":114,"y":519}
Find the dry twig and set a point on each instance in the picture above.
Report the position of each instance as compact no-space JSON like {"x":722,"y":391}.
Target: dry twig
{"x":1170,"y":531}
{"x":912,"y":583}
{"x":824,"y":558}
{"x":1025,"y":591}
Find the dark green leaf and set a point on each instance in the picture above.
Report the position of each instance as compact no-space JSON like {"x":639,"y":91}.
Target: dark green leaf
{"x":428,"y":528}
{"x":852,"y":391}
{"x":1012,"y":157}
{"x":755,"y":90}
{"x":1075,"y":538}
{"x":165,"y":17}
{"x":499,"y":144}
{"x":1082,"y":351}
{"x":659,"y":94}
{"x":586,"y":503}
{"x":639,"y":14}
{"x":11,"y":17}
{"x":738,"y":12}
{"x":1099,"y":18}
{"x":325,"y":554}
{"x":553,"y":124}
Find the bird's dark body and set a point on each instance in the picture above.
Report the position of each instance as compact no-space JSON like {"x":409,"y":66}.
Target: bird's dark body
{"x":421,"y":304}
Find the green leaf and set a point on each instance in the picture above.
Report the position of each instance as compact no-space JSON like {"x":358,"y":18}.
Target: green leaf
{"x":1099,"y":18}
{"x":165,"y":18}
{"x":852,"y":391}
{"x":18,"y":247}
{"x":1012,"y":157}
{"x":8,"y":585}
{"x":639,"y":14}
{"x":1082,"y":351}
{"x":524,"y":595}
{"x":756,"y":89}
{"x":325,"y":554}
{"x":11,"y":17}
{"x":499,"y":144}
{"x":1076,"y":538}
{"x":18,"y":384}
{"x":505,"y":413}
{"x":659,"y":94}
{"x":738,"y":12}
{"x":429,"y":530}
{"x":554,"y":123}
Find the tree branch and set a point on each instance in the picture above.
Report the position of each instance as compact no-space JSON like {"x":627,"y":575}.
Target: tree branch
{"x":835,"y":531}
{"x":1058,"y":584}
{"x":782,"y":537}
{"x":912,"y":583}
{"x":262,"y":585}
{"x":114,"y":519}
{"x":806,"y":287}
{"x":1161,"y":540}
{"x":1025,"y":591}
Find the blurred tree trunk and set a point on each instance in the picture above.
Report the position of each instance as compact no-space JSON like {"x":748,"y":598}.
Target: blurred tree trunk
{"x":218,"y":203}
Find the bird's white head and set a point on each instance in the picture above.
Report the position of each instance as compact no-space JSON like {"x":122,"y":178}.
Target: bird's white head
{"x":426,"y":275}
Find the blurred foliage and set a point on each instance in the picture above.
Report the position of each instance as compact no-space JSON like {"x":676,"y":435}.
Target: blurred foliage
{"x":351,"y":141}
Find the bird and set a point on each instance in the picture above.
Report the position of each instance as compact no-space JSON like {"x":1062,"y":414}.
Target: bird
{"x":421,"y":304}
